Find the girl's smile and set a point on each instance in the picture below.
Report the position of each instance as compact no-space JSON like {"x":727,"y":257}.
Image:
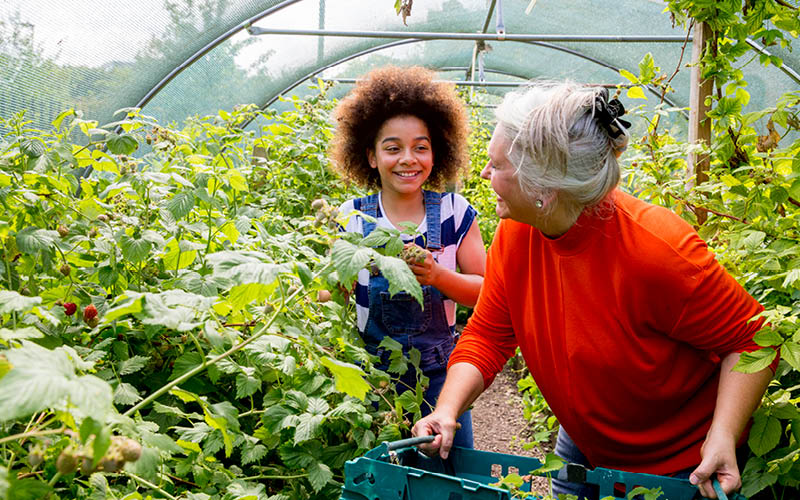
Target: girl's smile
{"x":402,"y":154}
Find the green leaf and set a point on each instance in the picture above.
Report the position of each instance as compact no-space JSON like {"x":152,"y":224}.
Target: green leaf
{"x":21,"y":333}
{"x":101,"y":443}
{"x":253,"y":453}
{"x":790,"y":351}
{"x":181,"y":204}
{"x":14,"y":302}
{"x":245,"y":267}
{"x":28,"y":489}
{"x":246,"y":385}
{"x":400,"y":276}
{"x":390,"y":432}
{"x":349,"y":259}
{"x":792,"y":278}
{"x":629,"y":76}
{"x":307,"y":427}
{"x":125,"y":394}
{"x":647,"y":68}
{"x":755,"y":478}
{"x":133,"y":365}
{"x":134,"y":250}
{"x":121,"y":144}
{"x":32,"y":240}
{"x":318,"y":475}
{"x":126,"y":305}
{"x":768,"y":337}
{"x":765,"y":433}
{"x":41,"y":379}
{"x":349,"y":378}
{"x":552,"y":462}
{"x":636,"y":93}
{"x":751,"y":362}
{"x":295,"y":457}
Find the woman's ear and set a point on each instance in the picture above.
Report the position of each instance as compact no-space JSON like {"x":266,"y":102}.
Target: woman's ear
{"x":371,"y":158}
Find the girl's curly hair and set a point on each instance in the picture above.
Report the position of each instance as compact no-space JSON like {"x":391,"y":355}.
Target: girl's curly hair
{"x":394,"y":91}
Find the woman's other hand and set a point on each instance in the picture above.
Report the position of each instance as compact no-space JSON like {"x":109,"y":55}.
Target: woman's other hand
{"x":718,"y":461}
{"x":443,"y":427}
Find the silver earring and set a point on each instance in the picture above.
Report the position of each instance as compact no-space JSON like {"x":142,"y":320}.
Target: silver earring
{"x":539,"y":203}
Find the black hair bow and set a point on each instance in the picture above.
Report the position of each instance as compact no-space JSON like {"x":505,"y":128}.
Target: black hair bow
{"x":608,"y":114}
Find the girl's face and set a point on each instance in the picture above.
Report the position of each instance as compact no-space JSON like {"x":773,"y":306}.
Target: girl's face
{"x":402,"y":154}
{"x":512,"y":203}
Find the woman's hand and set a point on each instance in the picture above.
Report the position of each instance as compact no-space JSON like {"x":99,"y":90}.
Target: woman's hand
{"x":718,"y":455}
{"x":442,"y":426}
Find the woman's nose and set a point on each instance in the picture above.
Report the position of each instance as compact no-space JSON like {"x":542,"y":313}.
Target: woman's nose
{"x":486,"y":173}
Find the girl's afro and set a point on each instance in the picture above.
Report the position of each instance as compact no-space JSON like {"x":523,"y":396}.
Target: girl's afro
{"x":394,"y":91}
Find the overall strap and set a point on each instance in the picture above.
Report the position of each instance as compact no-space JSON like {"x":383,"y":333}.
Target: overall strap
{"x":433,"y":203}
{"x":369,"y":206}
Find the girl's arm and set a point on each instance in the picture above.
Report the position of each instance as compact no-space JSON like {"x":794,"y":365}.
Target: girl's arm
{"x":462,"y":287}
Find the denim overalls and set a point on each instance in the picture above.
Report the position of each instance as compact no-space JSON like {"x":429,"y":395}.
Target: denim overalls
{"x":401,"y":318}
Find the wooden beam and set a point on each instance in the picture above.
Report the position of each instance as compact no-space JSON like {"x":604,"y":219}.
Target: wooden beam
{"x":699,"y":123}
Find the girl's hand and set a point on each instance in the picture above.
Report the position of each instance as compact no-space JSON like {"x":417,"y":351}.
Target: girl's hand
{"x":426,"y":270}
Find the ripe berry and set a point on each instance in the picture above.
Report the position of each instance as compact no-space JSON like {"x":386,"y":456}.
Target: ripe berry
{"x":70,"y":308}
{"x":65,"y":269}
{"x":62,"y":231}
{"x":89,"y":313}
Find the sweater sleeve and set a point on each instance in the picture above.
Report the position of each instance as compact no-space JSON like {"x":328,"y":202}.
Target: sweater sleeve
{"x":717,"y":316}
{"x":488,"y":340}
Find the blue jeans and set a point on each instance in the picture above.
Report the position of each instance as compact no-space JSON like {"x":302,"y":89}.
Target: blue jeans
{"x":566,"y":449}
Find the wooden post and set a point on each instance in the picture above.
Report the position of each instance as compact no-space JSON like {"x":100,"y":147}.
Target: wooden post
{"x":699,"y":123}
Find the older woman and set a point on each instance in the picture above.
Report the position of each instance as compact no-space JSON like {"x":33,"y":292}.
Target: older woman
{"x":626,"y":321}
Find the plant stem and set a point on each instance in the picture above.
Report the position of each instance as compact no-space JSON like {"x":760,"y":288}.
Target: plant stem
{"x":54,"y":479}
{"x":253,"y":478}
{"x":31,"y":434}
{"x":148,"y":484}
{"x":194,"y":371}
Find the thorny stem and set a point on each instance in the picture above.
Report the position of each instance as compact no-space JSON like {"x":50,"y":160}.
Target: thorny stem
{"x":147,"y":483}
{"x":24,"y":435}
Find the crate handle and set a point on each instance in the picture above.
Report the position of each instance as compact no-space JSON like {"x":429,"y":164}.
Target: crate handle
{"x":718,"y":489}
{"x":405,"y":443}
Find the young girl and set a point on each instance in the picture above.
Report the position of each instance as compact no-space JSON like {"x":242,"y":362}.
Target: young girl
{"x":398,"y":131}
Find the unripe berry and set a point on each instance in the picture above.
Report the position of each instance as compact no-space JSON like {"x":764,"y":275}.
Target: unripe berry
{"x":66,"y":463}
{"x":65,"y":269}
{"x":130,"y":450}
{"x":323,"y":296}
{"x":102,"y":218}
{"x":62,"y":231}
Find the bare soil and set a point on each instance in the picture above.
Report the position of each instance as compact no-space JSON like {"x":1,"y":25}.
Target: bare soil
{"x":498,"y":424}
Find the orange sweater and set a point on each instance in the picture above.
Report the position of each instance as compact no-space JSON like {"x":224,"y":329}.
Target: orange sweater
{"x":622,"y":322}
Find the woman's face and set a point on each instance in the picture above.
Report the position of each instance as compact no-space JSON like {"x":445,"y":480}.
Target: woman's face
{"x":512,"y":203}
{"x":402,"y":154}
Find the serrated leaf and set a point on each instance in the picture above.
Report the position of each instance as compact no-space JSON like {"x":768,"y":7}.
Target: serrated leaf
{"x":307,"y":427}
{"x":121,"y":144}
{"x":552,"y":462}
{"x":125,"y":394}
{"x":246,"y":385}
{"x":751,"y":362}
{"x":28,"y":332}
{"x":792,"y":279}
{"x":245,"y":267}
{"x":764,"y":434}
{"x":295,"y":457}
{"x":133,"y":365}
{"x":629,"y":76}
{"x":349,"y":259}
{"x":181,"y":204}
{"x":400,"y":276}
{"x":253,"y":453}
{"x":14,"y":302}
{"x":41,"y":379}
{"x":790,"y":352}
{"x":318,"y":475}
{"x":349,"y":378}
{"x":133,"y":249}
{"x":318,"y":406}
{"x":32,"y":240}
{"x":390,"y":432}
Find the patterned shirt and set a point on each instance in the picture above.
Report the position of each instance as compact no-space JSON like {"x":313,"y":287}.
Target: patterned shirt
{"x":456,"y":217}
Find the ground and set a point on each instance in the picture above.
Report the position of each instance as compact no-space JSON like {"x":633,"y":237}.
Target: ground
{"x":498,"y":424}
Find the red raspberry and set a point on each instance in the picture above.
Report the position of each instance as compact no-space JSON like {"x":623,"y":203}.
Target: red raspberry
{"x":89,"y":313}
{"x":70,"y":308}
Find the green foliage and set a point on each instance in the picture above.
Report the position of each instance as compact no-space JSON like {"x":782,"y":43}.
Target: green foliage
{"x":202,"y":257}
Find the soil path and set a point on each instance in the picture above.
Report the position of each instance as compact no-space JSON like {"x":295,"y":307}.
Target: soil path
{"x":498,"y":423}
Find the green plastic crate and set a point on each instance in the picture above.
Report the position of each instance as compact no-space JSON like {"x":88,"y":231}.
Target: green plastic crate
{"x":398,"y":471}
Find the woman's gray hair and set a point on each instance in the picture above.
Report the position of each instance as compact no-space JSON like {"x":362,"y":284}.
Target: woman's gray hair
{"x":558,"y":146}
